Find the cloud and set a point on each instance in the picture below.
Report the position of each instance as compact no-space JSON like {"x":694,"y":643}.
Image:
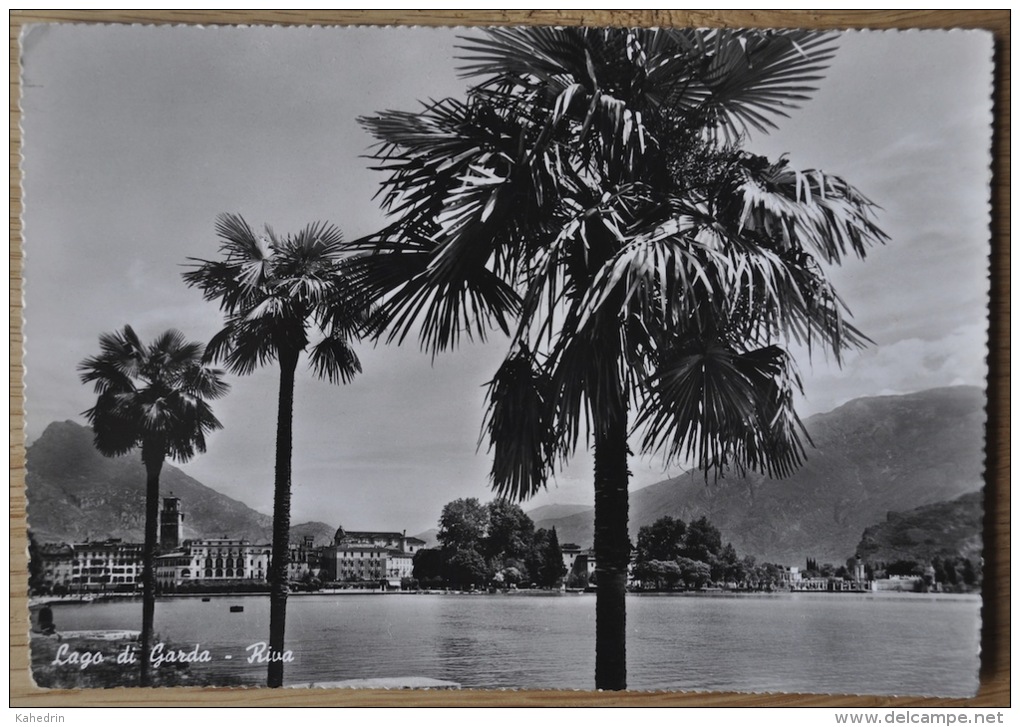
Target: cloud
{"x":908,"y":365}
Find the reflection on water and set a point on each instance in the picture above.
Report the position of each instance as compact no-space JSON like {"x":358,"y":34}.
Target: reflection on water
{"x":865,"y":644}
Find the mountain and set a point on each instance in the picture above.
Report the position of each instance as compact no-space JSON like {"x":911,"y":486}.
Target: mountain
{"x":430,"y":537}
{"x":322,"y":533}
{"x":74,"y":493}
{"x":945,"y":529}
{"x":870,"y":456}
{"x":555,"y":512}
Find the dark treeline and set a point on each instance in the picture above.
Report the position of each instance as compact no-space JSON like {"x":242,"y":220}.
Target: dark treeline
{"x":489,"y":545}
{"x":672,"y":554}
{"x":953,"y":573}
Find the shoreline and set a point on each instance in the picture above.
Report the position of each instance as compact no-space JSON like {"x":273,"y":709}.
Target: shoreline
{"x":714,"y":593}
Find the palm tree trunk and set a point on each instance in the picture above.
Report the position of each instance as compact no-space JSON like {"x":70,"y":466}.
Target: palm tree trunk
{"x":612,"y":551}
{"x":281,"y":519}
{"x":152,"y":456}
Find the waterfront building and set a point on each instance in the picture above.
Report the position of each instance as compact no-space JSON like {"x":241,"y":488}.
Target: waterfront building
{"x":113,"y":565}
{"x":570,"y":551}
{"x":789,"y":577}
{"x":370,"y":556}
{"x":57,"y":561}
{"x":305,"y":559}
{"x":212,"y":561}
{"x":582,"y":563}
{"x":108,"y":565}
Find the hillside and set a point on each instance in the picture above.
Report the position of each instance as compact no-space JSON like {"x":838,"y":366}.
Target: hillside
{"x":870,"y":456}
{"x":74,"y":493}
{"x":546,"y":513}
{"x":322,"y":533}
{"x":429,"y":536}
{"x":945,"y":529}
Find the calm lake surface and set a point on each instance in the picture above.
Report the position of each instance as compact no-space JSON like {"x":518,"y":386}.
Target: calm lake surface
{"x":823,"y":643}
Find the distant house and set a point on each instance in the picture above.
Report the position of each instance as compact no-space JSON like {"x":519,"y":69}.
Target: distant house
{"x":370,"y":556}
{"x":580,"y":563}
{"x":570,"y":552}
{"x":305,"y":559}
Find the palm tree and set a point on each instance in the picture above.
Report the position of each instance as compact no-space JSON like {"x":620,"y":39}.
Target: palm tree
{"x":591,"y":199}
{"x":154,"y":398}
{"x":274,"y":291}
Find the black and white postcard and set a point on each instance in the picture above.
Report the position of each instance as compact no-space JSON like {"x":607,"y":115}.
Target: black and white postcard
{"x":516,"y":358}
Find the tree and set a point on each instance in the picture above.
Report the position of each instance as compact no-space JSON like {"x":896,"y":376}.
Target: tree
{"x":553,"y":567}
{"x":662,"y":540}
{"x":154,"y":398}
{"x":590,"y":200}
{"x":546,"y":563}
{"x":949,"y":571}
{"x":731,"y":570}
{"x":466,"y":568}
{"x":36,"y":567}
{"x":703,"y":541}
{"x":429,"y":566}
{"x":275,"y":292}
{"x":694,"y":573}
{"x":971,"y":575}
{"x":463,"y":524}
{"x":902,"y":567}
{"x":511,"y":533}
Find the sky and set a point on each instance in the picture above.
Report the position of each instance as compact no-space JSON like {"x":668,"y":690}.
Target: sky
{"x":136,"y":138}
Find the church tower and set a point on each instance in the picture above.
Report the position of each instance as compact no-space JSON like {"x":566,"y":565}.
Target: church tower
{"x":171,"y":524}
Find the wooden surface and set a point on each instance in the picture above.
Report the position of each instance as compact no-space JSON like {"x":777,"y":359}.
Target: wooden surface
{"x":995,"y":666}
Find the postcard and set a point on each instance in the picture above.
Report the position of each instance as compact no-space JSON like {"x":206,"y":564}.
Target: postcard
{"x":506,"y":358}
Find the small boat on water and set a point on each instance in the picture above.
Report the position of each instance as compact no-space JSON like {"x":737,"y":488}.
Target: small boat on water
{"x":206,"y":599}
{"x":236,"y":609}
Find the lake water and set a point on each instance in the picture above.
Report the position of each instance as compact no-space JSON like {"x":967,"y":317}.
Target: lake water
{"x":821,"y":643}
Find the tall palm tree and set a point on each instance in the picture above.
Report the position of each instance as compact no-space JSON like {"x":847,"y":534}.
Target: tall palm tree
{"x":154,"y":398}
{"x":276,"y":294}
{"x":591,"y":199}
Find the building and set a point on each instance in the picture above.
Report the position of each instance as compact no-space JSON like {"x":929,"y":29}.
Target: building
{"x":108,"y":565}
{"x":113,"y":565}
{"x":57,"y":561}
{"x":370,"y":556}
{"x":305,"y":559}
{"x":212,"y":561}
{"x":91,"y":567}
{"x":570,"y":551}
{"x":171,"y":525}
{"x":580,"y":563}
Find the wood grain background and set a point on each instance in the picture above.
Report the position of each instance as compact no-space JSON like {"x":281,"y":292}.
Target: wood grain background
{"x":995,"y":660}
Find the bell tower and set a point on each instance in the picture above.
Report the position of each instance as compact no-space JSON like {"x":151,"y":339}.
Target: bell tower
{"x":171,"y":524}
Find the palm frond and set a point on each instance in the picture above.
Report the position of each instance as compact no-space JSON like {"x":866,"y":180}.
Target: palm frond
{"x":810,"y":210}
{"x":148,"y":395}
{"x":581,"y":197}
{"x":720,"y":408}
{"x":274,"y":292}
{"x":745,"y":79}
{"x":521,"y":426}
{"x":333,"y":359}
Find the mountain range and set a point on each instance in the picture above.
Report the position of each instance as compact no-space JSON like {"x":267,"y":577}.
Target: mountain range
{"x":945,"y":529}
{"x":74,"y":493}
{"x":869,"y":457}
